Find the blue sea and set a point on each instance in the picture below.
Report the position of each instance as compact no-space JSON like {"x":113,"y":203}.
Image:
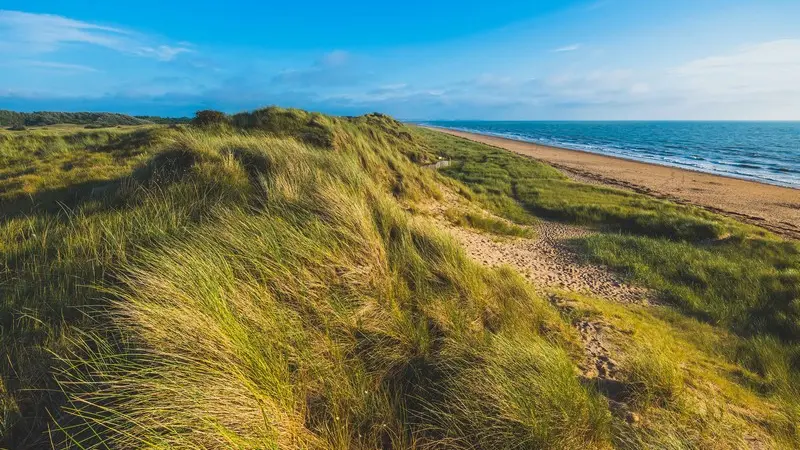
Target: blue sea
{"x":768,"y":152}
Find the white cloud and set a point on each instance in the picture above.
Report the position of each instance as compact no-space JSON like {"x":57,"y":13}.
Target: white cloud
{"x":57,"y":66}
{"x":27,"y":33}
{"x":162,"y":52}
{"x":640,"y":88}
{"x":769,"y":67}
{"x":567,"y":48}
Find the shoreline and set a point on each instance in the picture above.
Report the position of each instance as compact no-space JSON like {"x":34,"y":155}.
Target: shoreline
{"x":774,"y":207}
{"x":772,"y":182}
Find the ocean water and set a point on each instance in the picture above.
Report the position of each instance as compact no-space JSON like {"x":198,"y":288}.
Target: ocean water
{"x":768,"y":152}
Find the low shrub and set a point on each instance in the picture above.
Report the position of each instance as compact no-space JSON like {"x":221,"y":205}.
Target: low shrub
{"x":209,"y":118}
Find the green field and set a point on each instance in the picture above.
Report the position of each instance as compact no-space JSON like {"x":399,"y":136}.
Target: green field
{"x":268,"y":280}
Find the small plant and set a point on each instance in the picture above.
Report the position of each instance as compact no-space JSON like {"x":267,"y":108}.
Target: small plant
{"x":487,"y":223}
{"x":209,"y":118}
{"x":654,"y":377}
{"x":17,"y":127}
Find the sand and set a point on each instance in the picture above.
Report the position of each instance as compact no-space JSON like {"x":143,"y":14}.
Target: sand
{"x":775,"y":208}
{"x":548,"y":259}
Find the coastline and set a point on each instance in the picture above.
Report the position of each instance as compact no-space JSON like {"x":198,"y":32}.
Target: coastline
{"x":773,"y":207}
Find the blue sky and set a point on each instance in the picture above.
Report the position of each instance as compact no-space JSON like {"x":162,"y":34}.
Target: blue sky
{"x":581,"y":60}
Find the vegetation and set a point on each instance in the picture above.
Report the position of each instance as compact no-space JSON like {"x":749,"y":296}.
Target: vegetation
{"x":40,"y":118}
{"x":750,"y":286}
{"x":209,"y":118}
{"x":654,"y":376}
{"x":280,"y":283}
{"x":726,"y":273}
{"x":165,"y":120}
{"x":487,"y":223}
{"x":760,"y":274}
{"x":262,"y":281}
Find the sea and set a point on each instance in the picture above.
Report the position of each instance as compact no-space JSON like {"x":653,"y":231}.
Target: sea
{"x":768,"y":152}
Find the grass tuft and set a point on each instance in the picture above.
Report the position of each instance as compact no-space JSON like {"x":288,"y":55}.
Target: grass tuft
{"x":653,"y":375}
{"x":487,"y":223}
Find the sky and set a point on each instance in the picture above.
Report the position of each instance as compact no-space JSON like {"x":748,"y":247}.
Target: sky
{"x":416,"y":60}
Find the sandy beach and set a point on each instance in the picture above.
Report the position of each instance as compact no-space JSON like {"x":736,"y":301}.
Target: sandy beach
{"x":773,"y":207}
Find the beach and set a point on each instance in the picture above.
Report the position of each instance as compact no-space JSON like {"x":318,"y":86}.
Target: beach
{"x":773,"y":207}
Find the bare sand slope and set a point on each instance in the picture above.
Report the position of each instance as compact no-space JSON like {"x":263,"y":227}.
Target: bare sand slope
{"x":549,"y":262}
{"x":548,"y":259}
{"x":773,"y":207}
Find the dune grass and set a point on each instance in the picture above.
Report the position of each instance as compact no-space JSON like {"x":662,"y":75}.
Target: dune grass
{"x":319,"y":316}
{"x":238,"y":289}
{"x":484,"y":222}
{"x":750,"y":286}
{"x":262,"y":282}
{"x":762,"y":275}
{"x":42,"y":168}
{"x":654,"y":376}
{"x":734,"y":276}
{"x":680,"y":380}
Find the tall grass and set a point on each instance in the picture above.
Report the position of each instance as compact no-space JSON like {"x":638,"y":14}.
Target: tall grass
{"x":263,"y":283}
{"x":750,"y":285}
{"x":734,"y":276}
{"x":239,"y":289}
{"x":487,"y":223}
{"x":653,"y":375}
{"x":319,"y":316}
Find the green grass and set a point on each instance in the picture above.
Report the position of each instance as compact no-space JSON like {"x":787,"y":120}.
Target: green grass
{"x":39,"y":168}
{"x":236,"y":289}
{"x":734,"y":276}
{"x":654,"y":376}
{"x":679,"y":378}
{"x":487,"y":223}
{"x":263,"y":282}
{"x":761,"y":276}
{"x":750,"y":286}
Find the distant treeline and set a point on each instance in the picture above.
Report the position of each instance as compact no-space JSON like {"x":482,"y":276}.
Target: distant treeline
{"x":40,"y":118}
{"x":165,"y":120}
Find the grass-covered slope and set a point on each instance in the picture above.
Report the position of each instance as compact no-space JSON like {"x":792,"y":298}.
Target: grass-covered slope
{"x":41,"y":118}
{"x":739,"y":278}
{"x":236,"y":289}
{"x":265,"y":281}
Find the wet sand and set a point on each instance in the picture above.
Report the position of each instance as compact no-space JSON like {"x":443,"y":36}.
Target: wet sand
{"x":773,"y":207}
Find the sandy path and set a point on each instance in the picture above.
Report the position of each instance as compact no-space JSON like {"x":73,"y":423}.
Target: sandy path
{"x":773,"y":207}
{"x":549,"y":261}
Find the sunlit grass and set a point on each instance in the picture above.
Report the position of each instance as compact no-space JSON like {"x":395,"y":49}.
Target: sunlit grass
{"x":263,"y":282}
{"x":484,"y":222}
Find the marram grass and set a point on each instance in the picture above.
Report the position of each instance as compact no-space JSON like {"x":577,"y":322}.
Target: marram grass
{"x":263,"y":282}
